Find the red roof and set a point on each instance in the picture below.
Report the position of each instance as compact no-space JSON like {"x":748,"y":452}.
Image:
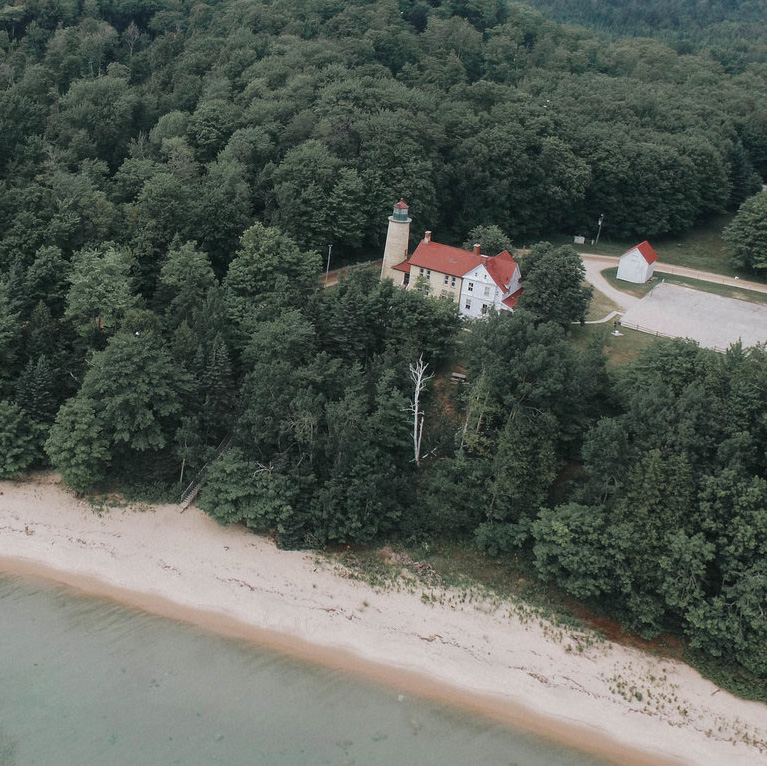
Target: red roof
{"x":457,"y":262}
{"x":646,"y":252}
{"x":511,"y":301}
{"x":401,"y":204}
{"x":443,"y":258}
{"x":501,"y":268}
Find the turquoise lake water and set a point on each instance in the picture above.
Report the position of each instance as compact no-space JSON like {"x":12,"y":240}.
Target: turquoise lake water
{"x":85,"y":681}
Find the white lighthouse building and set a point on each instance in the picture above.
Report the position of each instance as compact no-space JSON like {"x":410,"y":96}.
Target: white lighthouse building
{"x":397,"y":242}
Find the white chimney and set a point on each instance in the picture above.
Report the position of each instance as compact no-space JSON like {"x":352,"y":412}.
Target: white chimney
{"x":427,"y":237}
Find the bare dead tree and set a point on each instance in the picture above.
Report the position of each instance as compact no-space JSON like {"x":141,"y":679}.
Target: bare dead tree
{"x":130,"y":37}
{"x":420,"y":379}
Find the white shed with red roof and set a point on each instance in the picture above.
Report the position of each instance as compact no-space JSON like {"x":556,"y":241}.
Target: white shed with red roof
{"x":637,"y":265}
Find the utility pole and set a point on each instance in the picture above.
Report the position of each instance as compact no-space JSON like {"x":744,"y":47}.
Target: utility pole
{"x":599,"y":224}
{"x":327,"y":270}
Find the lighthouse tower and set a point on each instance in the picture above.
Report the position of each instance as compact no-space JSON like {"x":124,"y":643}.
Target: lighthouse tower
{"x":396,"y":242}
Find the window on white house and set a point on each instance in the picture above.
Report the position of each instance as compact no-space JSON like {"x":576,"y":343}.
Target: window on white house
{"x":467,"y":305}
{"x":428,"y":274}
{"x":421,"y":270}
{"x":471,"y":287}
{"x":452,"y":282}
{"x":446,"y":278}
{"x":487,"y":290}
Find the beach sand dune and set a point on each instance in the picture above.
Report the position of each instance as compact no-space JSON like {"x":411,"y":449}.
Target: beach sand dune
{"x":495,"y":658}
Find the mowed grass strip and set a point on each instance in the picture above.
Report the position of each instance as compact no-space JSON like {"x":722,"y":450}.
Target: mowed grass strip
{"x":701,"y":248}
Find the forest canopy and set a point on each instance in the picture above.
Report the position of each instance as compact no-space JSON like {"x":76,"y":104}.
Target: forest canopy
{"x":133,"y":122}
{"x":173,"y":177}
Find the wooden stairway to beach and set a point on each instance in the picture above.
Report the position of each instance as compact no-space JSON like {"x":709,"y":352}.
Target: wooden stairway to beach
{"x":189,"y":495}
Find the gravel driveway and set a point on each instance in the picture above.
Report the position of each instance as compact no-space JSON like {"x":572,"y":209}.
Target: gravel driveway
{"x":713,"y":321}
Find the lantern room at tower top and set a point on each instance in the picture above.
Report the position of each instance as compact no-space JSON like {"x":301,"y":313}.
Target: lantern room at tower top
{"x":400,"y":213}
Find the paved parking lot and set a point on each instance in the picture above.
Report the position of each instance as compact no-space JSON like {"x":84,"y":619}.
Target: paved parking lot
{"x":713,"y":321}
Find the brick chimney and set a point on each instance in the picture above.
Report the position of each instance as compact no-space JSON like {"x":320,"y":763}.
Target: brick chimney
{"x":477,"y":248}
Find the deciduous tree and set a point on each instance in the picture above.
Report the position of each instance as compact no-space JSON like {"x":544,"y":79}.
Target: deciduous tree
{"x":746,"y":236}
{"x":554,"y":284}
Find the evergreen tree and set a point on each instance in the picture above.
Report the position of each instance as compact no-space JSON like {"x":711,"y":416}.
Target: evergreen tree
{"x":18,"y":440}
{"x":36,"y":390}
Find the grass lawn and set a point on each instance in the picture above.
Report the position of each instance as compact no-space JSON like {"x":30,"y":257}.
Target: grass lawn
{"x":726,"y":291}
{"x":630,"y":288}
{"x":701,"y":248}
{"x":600,"y":306}
{"x":619,"y":349}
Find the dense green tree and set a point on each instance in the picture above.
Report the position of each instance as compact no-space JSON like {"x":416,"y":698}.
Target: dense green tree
{"x":492,"y":239}
{"x":570,"y":545}
{"x":223,"y":191}
{"x":100,"y":292}
{"x":523,"y":470}
{"x":303,"y":184}
{"x":185,"y":278}
{"x":451,"y":499}
{"x":351,"y":319}
{"x":746,"y":236}
{"x":241,"y":490}
{"x":271,"y":271}
{"x":42,"y":336}
{"x":85,"y":217}
{"x":18,"y":440}
{"x":212,"y":370}
{"x":210,"y":127}
{"x":10,"y":332}
{"x":554,"y":282}
{"x":97,"y":116}
{"x":46,"y":280}
{"x":163,"y":212}
{"x":517,"y":363}
{"x":78,"y":446}
{"x":718,"y":27}
{"x":36,"y":390}
{"x":418,"y":325}
{"x":139,"y":391}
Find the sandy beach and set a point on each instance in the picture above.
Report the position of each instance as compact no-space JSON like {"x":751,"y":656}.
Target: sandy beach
{"x":495,"y":658}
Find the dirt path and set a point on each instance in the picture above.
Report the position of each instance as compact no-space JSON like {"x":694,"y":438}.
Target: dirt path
{"x":595,"y":265}
{"x":331,"y":278}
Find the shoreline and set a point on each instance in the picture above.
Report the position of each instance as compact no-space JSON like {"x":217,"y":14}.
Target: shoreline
{"x":498,"y":710}
{"x":492,"y":660}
